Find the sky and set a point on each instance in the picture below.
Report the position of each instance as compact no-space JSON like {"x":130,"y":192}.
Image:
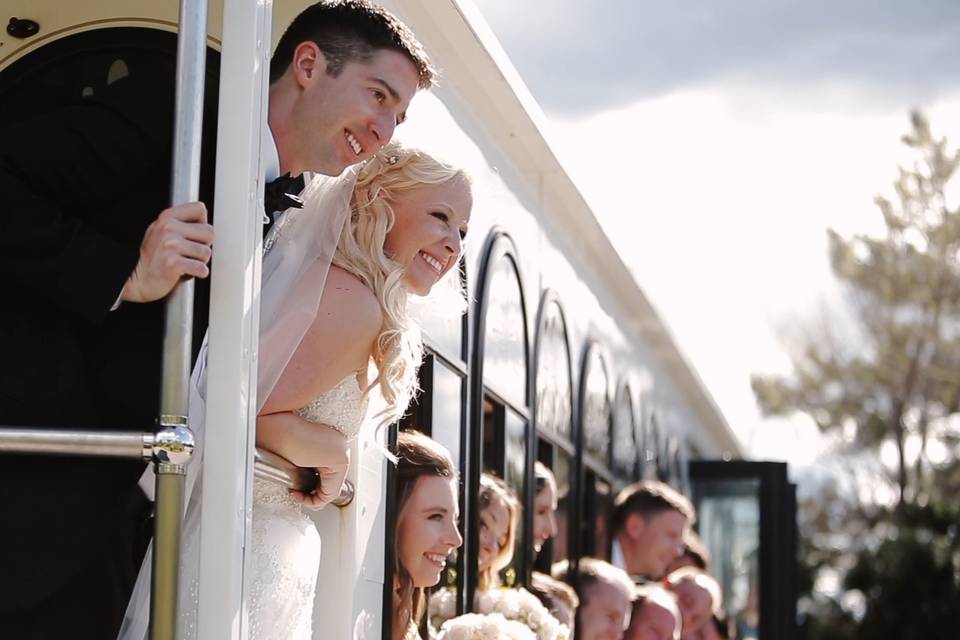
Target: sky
{"x":717,"y":141}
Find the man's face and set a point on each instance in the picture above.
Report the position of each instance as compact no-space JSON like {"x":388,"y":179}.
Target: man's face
{"x":651,"y":621}
{"x":657,"y":541}
{"x":605,"y":614}
{"x":340,"y":121}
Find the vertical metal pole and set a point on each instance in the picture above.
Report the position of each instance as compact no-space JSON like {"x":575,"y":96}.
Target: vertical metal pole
{"x":166,"y":546}
{"x":231,"y":402}
{"x":178,"y":330}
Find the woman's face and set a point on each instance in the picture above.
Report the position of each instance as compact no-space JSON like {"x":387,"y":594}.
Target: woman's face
{"x":494,"y":526}
{"x":544,"y":515}
{"x":427,"y":529}
{"x":431,"y":222}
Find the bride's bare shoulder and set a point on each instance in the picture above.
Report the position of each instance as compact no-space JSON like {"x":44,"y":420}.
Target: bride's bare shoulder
{"x":347,"y":298}
{"x":338,"y":342}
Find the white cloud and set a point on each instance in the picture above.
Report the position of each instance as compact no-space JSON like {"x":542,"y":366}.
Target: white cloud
{"x":719,"y":198}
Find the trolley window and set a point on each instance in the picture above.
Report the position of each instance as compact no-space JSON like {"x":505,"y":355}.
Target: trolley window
{"x":595,"y":407}
{"x":625,"y":450}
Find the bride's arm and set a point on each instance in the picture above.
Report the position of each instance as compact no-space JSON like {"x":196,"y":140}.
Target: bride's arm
{"x":338,"y":342}
{"x":308,"y":444}
{"x":303,"y":443}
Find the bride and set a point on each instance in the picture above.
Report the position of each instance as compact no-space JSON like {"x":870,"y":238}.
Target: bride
{"x":408,"y":214}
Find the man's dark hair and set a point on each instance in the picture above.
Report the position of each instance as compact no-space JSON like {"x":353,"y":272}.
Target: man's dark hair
{"x":350,"y":31}
{"x":649,"y":498}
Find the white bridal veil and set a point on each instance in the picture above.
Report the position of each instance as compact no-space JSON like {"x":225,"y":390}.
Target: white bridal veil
{"x":299,"y":251}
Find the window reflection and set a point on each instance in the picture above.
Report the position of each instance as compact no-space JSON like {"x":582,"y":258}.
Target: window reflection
{"x":728,"y":514}
{"x":505,"y":346}
{"x":554,"y":398}
{"x":440,"y":314}
{"x":596,"y":408}
{"x":624,"y":444}
{"x":673,"y":460}
{"x":652,"y":456}
{"x":447,"y":407}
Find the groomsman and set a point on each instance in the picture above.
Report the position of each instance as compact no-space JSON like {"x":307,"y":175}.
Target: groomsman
{"x":88,"y":250}
{"x":650,"y":519}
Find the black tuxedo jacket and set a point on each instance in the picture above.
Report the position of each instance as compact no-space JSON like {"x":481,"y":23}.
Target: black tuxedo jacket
{"x":78,"y":187}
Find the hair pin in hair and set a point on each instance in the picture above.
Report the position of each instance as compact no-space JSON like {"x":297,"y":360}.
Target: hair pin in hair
{"x":392,"y":160}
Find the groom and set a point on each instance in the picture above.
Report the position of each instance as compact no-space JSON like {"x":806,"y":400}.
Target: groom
{"x":87,"y":253}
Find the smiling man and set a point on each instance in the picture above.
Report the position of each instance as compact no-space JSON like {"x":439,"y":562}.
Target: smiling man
{"x":341,"y":79}
{"x":649,"y":520}
{"x":103,"y":245}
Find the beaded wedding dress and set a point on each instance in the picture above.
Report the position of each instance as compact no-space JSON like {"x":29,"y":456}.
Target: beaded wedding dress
{"x":286,"y":546}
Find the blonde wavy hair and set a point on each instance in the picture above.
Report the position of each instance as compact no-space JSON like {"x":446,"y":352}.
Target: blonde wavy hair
{"x":381,"y":183}
{"x":493,"y":488}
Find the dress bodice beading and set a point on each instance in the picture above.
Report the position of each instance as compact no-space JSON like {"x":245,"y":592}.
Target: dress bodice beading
{"x":341,"y":407}
{"x":286,"y":544}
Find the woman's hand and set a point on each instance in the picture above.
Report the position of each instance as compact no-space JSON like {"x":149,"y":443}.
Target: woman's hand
{"x":310,"y":445}
{"x":329,"y":482}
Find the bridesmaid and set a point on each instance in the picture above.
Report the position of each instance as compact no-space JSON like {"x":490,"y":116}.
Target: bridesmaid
{"x":426,"y":530}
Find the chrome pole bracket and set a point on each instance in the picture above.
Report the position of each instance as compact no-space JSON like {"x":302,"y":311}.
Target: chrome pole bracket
{"x":172,"y":446}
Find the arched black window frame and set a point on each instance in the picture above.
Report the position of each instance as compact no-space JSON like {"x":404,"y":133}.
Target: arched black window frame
{"x":602,"y":466}
{"x":498,"y":246}
{"x":549,"y":299}
{"x":583,"y":461}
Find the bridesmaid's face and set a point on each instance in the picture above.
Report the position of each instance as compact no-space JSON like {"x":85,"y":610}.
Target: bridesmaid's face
{"x":431,"y":223}
{"x":544,"y":515}
{"x":427,"y":529}
{"x":494,"y":526}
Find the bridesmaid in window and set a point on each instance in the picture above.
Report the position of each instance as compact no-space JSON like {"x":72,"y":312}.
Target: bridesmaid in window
{"x":426,"y":530}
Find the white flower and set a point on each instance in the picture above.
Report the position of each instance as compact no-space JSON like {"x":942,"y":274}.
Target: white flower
{"x":521,"y":606}
{"x":480,"y":626}
{"x":502,"y":614}
{"x":442,"y":606}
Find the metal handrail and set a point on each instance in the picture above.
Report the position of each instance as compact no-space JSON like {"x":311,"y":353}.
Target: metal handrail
{"x":134,"y":445}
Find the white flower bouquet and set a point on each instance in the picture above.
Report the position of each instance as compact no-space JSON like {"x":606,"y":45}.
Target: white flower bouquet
{"x":517,"y":606}
{"x":484,"y":626}
{"x":522,"y":606}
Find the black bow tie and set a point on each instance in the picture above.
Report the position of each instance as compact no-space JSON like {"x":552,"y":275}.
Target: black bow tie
{"x":282,"y":194}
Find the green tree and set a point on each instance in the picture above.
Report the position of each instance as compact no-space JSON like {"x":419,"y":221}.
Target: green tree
{"x":901,"y":373}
